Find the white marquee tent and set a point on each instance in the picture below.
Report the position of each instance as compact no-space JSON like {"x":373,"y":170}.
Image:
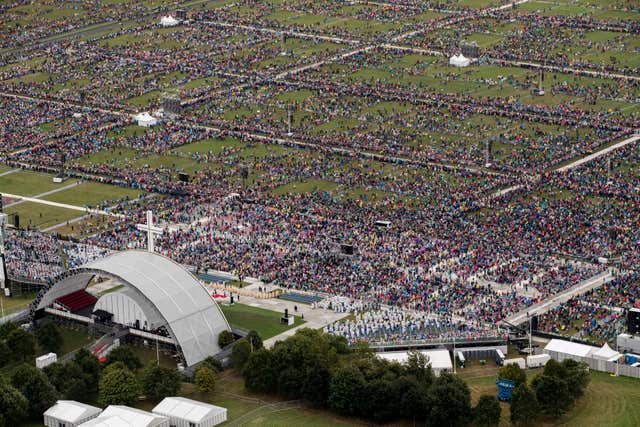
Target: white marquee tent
{"x":569,"y":349}
{"x":123,"y":416}
{"x":190,"y":413}
{"x":459,"y":61}
{"x":168,"y":21}
{"x":606,"y":353}
{"x":440,"y":360}
{"x":69,"y":413}
{"x":145,"y":119}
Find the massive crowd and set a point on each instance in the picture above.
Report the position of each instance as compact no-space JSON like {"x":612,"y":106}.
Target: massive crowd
{"x":455,"y":259}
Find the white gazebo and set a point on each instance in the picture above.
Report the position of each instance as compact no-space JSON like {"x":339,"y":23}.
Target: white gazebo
{"x":184,"y":412}
{"x":69,"y":413}
{"x":606,"y":353}
{"x":168,"y":21}
{"x":145,"y":119}
{"x":459,"y":61}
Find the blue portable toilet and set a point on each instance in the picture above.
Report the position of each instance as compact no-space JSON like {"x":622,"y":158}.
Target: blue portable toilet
{"x":504,"y":389}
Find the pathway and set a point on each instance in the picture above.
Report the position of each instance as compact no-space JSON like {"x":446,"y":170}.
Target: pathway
{"x":10,"y":172}
{"x":548,"y":304}
{"x":597,"y":154}
{"x":47,"y":193}
{"x":63,"y":205}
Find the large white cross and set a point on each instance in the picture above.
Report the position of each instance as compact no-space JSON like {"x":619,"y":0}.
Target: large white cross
{"x":151,"y":230}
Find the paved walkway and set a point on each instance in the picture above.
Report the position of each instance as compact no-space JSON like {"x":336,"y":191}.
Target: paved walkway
{"x":62,"y":205}
{"x":10,"y":172}
{"x":600,"y":153}
{"x":45,"y":194}
{"x":549,"y":304}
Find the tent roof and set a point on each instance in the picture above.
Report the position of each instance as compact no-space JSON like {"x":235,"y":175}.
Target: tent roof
{"x":186,"y":409}
{"x":71,"y":411}
{"x":605,"y":352}
{"x":132,"y":416}
{"x":568,"y":347}
{"x":438,"y":359}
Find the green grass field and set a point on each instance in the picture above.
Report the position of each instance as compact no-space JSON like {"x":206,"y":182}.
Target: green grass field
{"x":92,"y":194}
{"x":27,"y":183}
{"x":265,"y":322}
{"x":33,"y":214}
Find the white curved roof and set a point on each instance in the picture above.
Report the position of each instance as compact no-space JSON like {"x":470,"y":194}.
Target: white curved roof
{"x":191,"y":314}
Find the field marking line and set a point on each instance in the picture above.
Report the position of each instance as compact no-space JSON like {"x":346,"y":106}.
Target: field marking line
{"x":10,"y":172}
{"x":47,"y":193}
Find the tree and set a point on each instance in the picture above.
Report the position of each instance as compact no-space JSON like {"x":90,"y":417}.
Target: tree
{"x":346,"y":390}
{"x":5,"y":353}
{"x":6,"y":328}
{"x":225,"y":338}
{"x":577,"y":377}
{"x":118,"y":386}
{"x":205,"y":380}
{"x":22,"y":344}
{"x":290,"y":382}
{"x":159,"y":382}
{"x":35,"y":387}
{"x":418,"y":366}
{"x":214,"y":364}
{"x":260,"y":372}
{"x":68,"y":379}
{"x":552,"y":394}
{"x":254,"y":340}
{"x":125,"y":355}
{"x":487,"y":412}
{"x":49,"y":337}
{"x":13,"y":405}
{"x":91,"y":368}
{"x":450,"y":401}
{"x":524,"y":406}
{"x":240,"y":354}
{"x":315,"y":388}
{"x":514,"y":373}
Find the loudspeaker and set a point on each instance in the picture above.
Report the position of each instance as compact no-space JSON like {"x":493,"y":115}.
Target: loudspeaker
{"x":534,"y":323}
{"x":633,"y":321}
{"x":1,"y":204}
{"x":286,"y":312}
{"x":245,"y":172}
{"x":16,"y":221}
{"x":183,"y":177}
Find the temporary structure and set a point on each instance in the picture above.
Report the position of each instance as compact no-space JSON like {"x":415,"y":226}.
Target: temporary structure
{"x":568,"y":350}
{"x":605,"y":353}
{"x":145,"y":119}
{"x":123,"y":416}
{"x":69,"y":413}
{"x":184,"y":412}
{"x":168,"y":21}
{"x":439,"y":359}
{"x":459,"y":61}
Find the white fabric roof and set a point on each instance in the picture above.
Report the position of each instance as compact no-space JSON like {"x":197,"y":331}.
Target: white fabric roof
{"x":605,"y":353}
{"x":192,"y":316}
{"x":186,"y":409}
{"x":459,"y":60}
{"x":131,"y":416}
{"x":438,"y":359}
{"x":71,"y":411}
{"x":568,"y":347}
{"x":144,"y":117}
{"x":168,"y":21}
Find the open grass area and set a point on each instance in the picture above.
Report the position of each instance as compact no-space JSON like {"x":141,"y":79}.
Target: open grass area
{"x":14,"y":304}
{"x":27,"y":183}
{"x":38,"y":215}
{"x":265,"y":322}
{"x":93,"y":194}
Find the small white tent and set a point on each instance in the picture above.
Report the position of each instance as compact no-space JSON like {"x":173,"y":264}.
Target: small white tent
{"x":190,"y":413}
{"x":69,"y":413}
{"x":605,"y":353}
{"x":459,"y":61}
{"x":168,"y":21}
{"x":145,"y":119}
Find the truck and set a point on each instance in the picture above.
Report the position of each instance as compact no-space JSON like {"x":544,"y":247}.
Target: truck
{"x":516,"y":361}
{"x":537,"y":360}
{"x":46,"y":360}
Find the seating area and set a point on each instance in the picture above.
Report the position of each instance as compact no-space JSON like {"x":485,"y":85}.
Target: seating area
{"x":214,"y":278}
{"x":301,"y":298}
{"x":77,"y":300}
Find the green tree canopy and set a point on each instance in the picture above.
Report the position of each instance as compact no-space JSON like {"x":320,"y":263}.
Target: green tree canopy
{"x":22,"y":344}
{"x":524,"y":406}
{"x":514,"y":373}
{"x":125,"y":355}
{"x":159,"y":382}
{"x":35,"y":387}
{"x":49,"y":337}
{"x":225,"y":338}
{"x":552,"y":394}
{"x":118,"y":386}
{"x":13,"y":405}
{"x":91,"y":368}
{"x":487,"y":412}
{"x":450,"y":401}
{"x":240,"y":354}
{"x":205,"y":380}
{"x":346,"y":391}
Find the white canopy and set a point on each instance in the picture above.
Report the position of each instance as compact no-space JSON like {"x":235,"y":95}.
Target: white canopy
{"x":459,"y":61}
{"x":187,"y":409}
{"x":145,"y":119}
{"x":168,"y":21}
{"x":605,"y":353}
{"x":438,"y":359}
{"x":570,"y":348}
{"x":71,"y":411}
